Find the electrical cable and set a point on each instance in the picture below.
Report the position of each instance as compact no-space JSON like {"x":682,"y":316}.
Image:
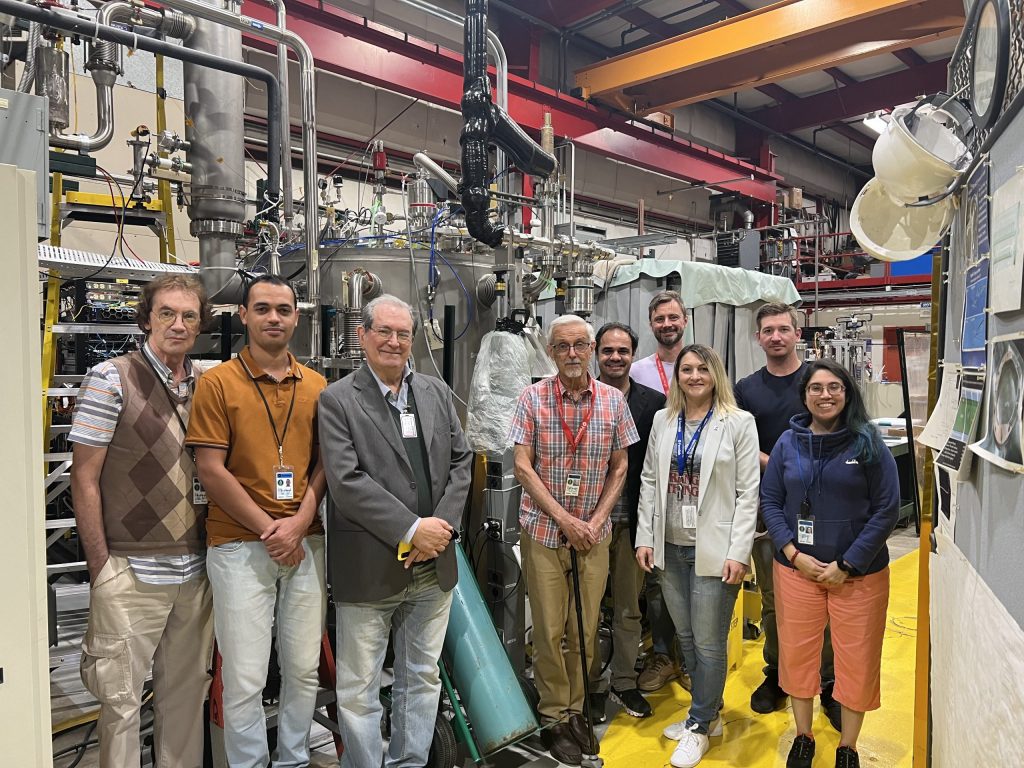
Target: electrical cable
{"x":387,"y":125}
{"x":416,"y":289}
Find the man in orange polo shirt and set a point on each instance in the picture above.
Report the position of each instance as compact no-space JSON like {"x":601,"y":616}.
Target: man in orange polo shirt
{"x":253,"y":428}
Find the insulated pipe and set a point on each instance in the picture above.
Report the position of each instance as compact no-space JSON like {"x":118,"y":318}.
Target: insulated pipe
{"x":484,"y":122}
{"x":307,"y":86}
{"x":500,"y":66}
{"x":28,"y":75}
{"x":219,"y":276}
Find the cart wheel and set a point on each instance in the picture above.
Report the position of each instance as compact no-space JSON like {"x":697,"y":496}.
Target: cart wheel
{"x":444,"y":751}
{"x":530,"y":692}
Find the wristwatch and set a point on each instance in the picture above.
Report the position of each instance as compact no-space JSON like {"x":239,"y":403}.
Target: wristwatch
{"x":845,"y":567}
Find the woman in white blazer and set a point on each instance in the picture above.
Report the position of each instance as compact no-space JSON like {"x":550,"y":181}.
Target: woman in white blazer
{"x":698,"y":509}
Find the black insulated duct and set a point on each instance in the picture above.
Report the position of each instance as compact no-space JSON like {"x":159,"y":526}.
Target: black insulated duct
{"x":485,"y":122}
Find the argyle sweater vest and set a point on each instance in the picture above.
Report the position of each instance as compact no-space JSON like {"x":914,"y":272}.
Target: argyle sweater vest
{"x":146,"y":481}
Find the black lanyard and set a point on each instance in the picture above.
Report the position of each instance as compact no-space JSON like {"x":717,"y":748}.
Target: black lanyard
{"x":270,"y":417}
{"x":174,"y":403}
{"x":816,"y":467}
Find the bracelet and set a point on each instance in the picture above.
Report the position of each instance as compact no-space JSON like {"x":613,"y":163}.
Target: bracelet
{"x":792,"y":560}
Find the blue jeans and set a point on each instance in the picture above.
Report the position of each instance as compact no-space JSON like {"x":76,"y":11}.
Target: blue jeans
{"x":248,"y":590}
{"x":418,"y":617}
{"x":701,"y":608}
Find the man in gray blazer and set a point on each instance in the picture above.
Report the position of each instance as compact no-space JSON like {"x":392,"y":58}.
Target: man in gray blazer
{"x":398,"y":468}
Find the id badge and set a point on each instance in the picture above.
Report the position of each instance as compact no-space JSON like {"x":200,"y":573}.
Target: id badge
{"x":198,"y":492}
{"x":284,"y":483}
{"x":805,"y":531}
{"x":408,"y":421}
{"x":689,"y":515}
{"x":573,"y":482}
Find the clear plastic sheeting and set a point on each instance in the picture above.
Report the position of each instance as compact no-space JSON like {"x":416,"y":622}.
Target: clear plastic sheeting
{"x":501,"y":373}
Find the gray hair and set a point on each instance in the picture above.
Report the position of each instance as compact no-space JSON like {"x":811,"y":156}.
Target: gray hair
{"x":386,"y":298}
{"x":561,"y":320}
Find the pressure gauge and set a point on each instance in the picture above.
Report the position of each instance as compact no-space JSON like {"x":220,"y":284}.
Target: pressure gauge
{"x":990,"y":58}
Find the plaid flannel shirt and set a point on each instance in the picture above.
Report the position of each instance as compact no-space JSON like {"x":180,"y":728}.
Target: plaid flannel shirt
{"x":538,"y":424}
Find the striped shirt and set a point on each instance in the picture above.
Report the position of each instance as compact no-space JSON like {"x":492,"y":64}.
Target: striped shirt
{"x":538,"y":423}
{"x":96,"y":415}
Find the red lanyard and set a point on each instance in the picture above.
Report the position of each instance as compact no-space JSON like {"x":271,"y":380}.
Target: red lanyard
{"x":661,"y":372}
{"x":574,"y":442}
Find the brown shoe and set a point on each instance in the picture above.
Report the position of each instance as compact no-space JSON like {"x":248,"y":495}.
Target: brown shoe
{"x":580,"y":732}
{"x":558,"y":739}
{"x":658,"y":670}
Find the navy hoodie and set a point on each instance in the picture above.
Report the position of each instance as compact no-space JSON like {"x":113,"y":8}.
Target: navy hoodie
{"x":855,"y":505}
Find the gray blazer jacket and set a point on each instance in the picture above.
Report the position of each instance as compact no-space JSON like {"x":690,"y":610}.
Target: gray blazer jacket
{"x":372,"y":486}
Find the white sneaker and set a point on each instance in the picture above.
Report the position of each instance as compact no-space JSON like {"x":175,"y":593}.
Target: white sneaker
{"x":676,"y":730}
{"x":690,"y":749}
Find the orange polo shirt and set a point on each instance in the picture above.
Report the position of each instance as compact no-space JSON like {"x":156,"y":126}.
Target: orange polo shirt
{"x":228,"y":413}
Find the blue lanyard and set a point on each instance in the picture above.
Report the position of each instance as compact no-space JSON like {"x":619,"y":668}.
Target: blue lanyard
{"x":681,"y":452}
{"x":815,"y":475}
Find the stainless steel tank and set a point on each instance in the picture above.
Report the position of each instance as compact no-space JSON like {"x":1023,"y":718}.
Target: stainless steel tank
{"x":472,"y":319}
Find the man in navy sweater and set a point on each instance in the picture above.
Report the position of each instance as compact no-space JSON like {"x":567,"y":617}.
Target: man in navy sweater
{"x":772,"y":395}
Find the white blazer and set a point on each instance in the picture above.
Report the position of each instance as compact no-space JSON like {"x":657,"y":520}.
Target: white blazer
{"x":730,"y":476}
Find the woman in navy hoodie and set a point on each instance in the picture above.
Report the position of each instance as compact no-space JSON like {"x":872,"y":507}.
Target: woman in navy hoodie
{"x":830,"y":498}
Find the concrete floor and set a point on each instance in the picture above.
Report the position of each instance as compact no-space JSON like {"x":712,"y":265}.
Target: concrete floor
{"x":752,"y":741}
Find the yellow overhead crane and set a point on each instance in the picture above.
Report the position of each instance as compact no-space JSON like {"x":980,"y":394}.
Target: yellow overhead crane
{"x":782,"y":40}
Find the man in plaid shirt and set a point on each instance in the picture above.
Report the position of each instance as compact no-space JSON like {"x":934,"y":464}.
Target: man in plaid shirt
{"x":570,"y":433}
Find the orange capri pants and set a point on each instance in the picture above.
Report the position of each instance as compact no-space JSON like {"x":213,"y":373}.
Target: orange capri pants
{"x":856,"y":613}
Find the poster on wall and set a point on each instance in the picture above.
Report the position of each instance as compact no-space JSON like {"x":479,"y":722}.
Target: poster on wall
{"x":954,"y":455}
{"x":1007,"y":267}
{"x":975,"y":330}
{"x":945,"y":491}
{"x":977,"y":213}
{"x":1002,"y":442}
{"x":940,"y":421}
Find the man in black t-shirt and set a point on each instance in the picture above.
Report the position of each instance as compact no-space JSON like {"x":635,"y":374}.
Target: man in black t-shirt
{"x":772,"y":395}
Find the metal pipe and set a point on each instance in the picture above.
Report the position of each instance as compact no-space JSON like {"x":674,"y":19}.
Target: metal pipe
{"x":307,"y":85}
{"x":104,"y":67}
{"x":424,"y":163}
{"x":287,"y":201}
{"x":91,"y":28}
{"x":28,"y":75}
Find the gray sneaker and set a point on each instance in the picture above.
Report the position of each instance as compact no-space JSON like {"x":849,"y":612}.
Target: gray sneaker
{"x":658,"y":670}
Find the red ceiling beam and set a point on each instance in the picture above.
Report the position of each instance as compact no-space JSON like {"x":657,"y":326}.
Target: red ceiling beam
{"x":354,"y":47}
{"x":649,"y":22}
{"x":856,"y":99}
{"x":852,"y":134}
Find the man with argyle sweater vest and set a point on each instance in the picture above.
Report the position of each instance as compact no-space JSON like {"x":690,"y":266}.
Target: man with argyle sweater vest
{"x":141,"y":519}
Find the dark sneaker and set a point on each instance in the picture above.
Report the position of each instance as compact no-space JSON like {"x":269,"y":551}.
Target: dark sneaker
{"x":768,"y":696}
{"x":833,"y":709}
{"x":559,"y":741}
{"x":658,"y":670}
{"x":633,"y":702}
{"x":599,"y":706}
{"x":801,"y":754}
{"x":847,"y":757}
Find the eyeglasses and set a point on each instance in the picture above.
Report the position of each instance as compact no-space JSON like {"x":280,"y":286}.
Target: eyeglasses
{"x":168,"y":316}
{"x":385,"y":334}
{"x":564,"y":347}
{"x":833,"y":387}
